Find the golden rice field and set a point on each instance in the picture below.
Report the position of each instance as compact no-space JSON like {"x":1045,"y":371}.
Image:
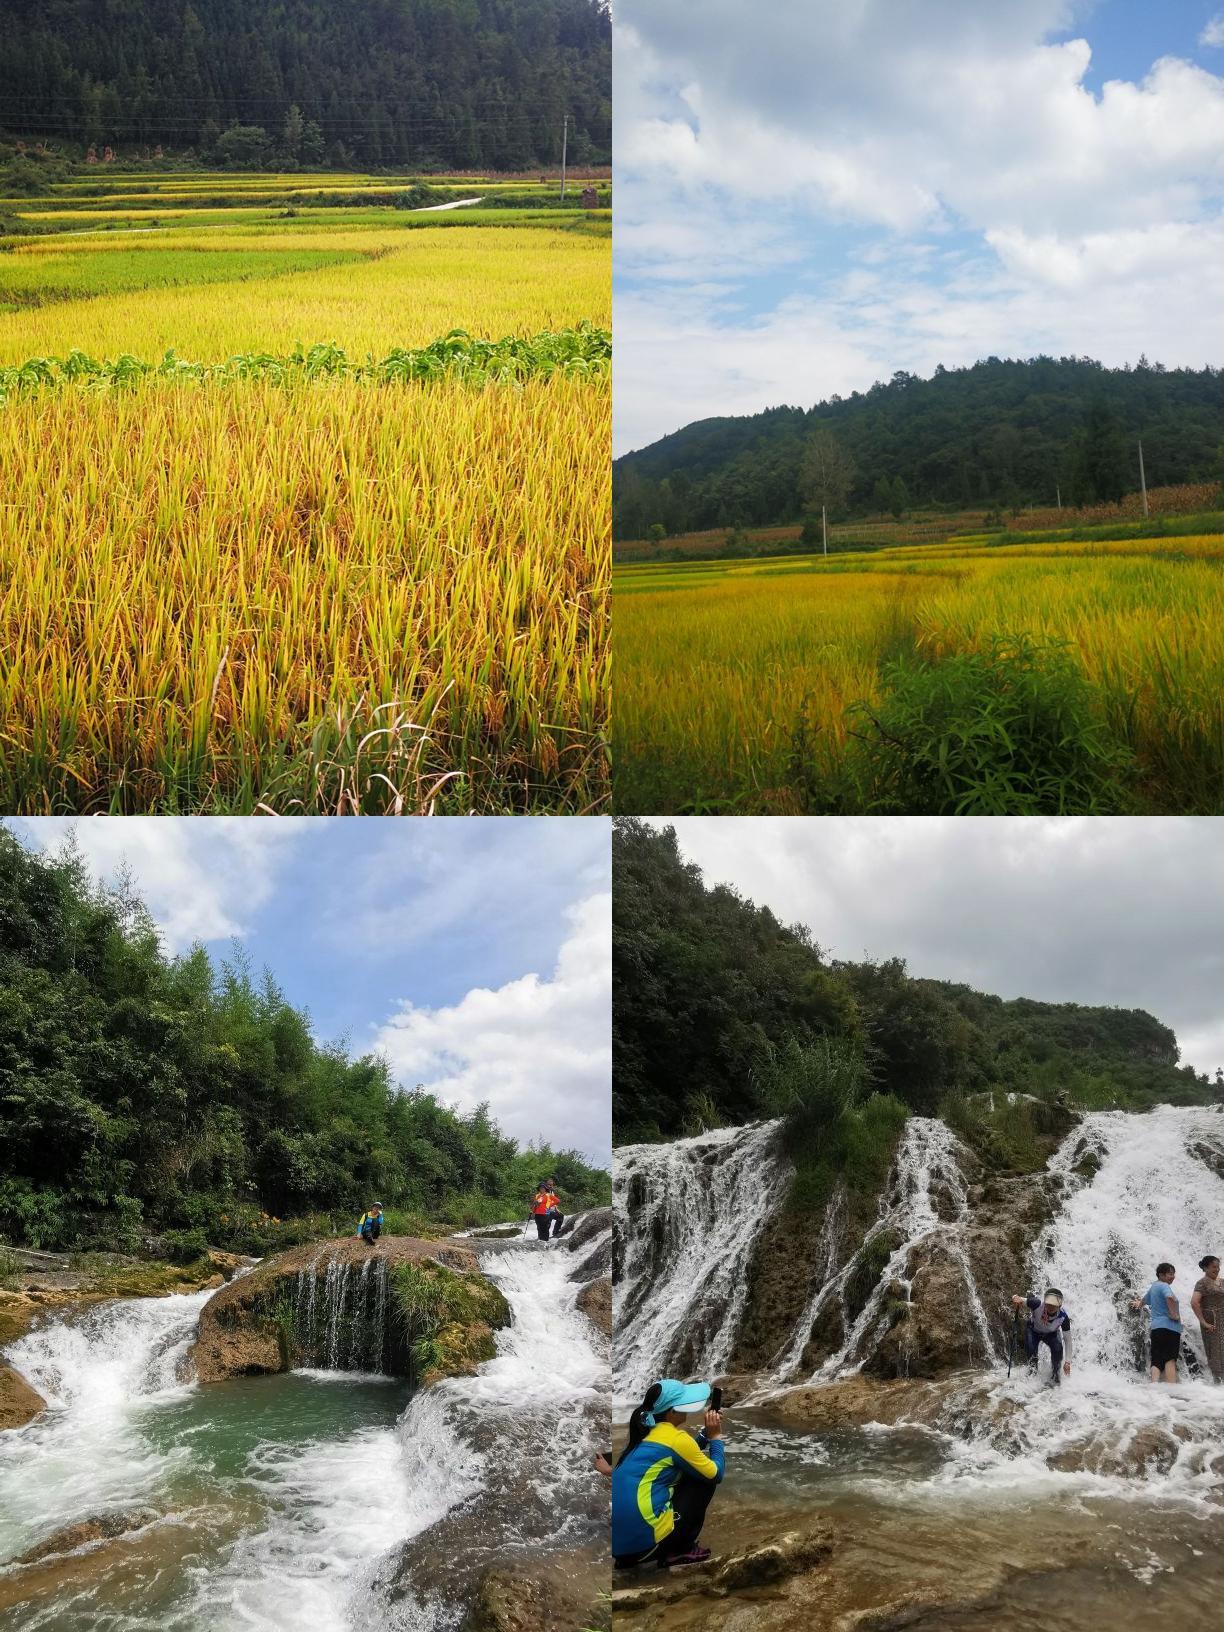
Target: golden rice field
{"x":336,"y":594}
{"x":729,"y":674}
{"x":212,"y":595}
{"x":396,"y":288}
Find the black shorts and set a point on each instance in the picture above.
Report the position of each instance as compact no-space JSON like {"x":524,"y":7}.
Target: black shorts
{"x":1166,"y":1346}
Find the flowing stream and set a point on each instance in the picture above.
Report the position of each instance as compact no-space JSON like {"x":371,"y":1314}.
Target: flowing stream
{"x":1108,"y":1486}
{"x":276,"y":1504}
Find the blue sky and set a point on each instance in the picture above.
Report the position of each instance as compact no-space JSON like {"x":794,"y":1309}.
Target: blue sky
{"x":812,"y":195}
{"x":472,"y":951}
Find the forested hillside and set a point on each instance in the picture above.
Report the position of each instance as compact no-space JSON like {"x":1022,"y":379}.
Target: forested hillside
{"x":1001,"y":433}
{"x":420,"y":83}
{"x":719,"y":1009}
{"x":144,"y":1093}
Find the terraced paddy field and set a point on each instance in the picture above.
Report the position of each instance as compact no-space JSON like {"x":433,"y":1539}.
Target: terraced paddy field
{"x":968,"y":677}
{"x":323,"y":558}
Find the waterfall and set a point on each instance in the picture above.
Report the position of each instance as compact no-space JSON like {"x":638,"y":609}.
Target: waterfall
{"x":1135,"y":1189}
{"x":688,"y":1215}
{"x":1142,"y":1196}
{"x":499,"y":1463}
{"x":340,"y":1315}
{"x":87,"y":1452}
{"x":300,"y":1493}
{"x":926,"y":1175}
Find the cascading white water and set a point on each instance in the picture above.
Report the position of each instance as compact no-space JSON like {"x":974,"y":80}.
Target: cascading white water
{"x":688,"y":1213}
{"x":1152,"y":1198}
{"x":1149,"y":1201}
{"x":346,"y":1509}
{"x":87,"y":1453}
{"x":928,"y":1159}
{"x":313,"y":1497}
{"x":343,"y":1327}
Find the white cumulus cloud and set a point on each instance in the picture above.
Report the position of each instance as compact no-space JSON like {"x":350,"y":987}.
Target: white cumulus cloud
{"x":201,"y":877}
{"x":764,"y":154}
{"x":537,"y":1049}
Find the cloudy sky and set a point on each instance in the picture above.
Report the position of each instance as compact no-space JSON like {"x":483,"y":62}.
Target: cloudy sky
{"x":813,"y":194}
{"x":1121,"y":911}
{"x":474,"y":954}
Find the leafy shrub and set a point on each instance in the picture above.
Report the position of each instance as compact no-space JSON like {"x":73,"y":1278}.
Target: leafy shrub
{"x":1009,"y":729}
{"x":185,"y":1246}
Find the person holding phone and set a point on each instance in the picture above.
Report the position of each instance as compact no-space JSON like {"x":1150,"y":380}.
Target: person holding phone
{"x":665,"y":1478}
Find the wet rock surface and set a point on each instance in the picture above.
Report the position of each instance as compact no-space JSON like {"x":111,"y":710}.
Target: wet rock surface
{"x":104,"y":1527}
{"x":244,"y":1330}
{"x":763,"y":1565}
{"x":558,"y":1594}
{"x":19,"y":1403}
{"x":595,"y":1301}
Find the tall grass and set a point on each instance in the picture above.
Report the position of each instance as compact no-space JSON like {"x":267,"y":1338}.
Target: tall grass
{"x":322,"y":596}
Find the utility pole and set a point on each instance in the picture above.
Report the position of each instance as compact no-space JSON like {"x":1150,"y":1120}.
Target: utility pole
{"x":824,"y":527}
{"x":1142,"y":477}
{"x":1058,"y":495}
{"x":564,"y":148}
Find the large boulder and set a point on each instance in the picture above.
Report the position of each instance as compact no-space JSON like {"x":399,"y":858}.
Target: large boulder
{"x":557,"y":1594}
{"x":595,"y":1301}
{"x":19,"y":1403}
{"x":435,"y":1318}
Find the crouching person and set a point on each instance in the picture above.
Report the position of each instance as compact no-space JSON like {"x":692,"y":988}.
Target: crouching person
{"x":666,"y":1477}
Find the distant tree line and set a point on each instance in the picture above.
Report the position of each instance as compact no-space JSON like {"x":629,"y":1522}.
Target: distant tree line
{"x":1000,"y":434}
{"x":369,"y":83}
{"x":142,"y":1093}
{"x":716,"y":1004}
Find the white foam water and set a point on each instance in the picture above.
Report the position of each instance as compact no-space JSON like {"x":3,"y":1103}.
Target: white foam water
{"x":341,"y":1509}
{"x":100,"y":1375}
{"x":1152,"y":1198}
{"x":688,"y":1214}
{"x":317,"y":1513}
{"x":928,"y":1159}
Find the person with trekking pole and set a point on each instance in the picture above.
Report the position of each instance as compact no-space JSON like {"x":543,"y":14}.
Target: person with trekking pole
{"x":1049,"y":1323}
{"x":1165,"y":1332}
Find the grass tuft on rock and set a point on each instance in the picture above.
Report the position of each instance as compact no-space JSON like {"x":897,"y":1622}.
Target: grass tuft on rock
{"x":447,"y":1318}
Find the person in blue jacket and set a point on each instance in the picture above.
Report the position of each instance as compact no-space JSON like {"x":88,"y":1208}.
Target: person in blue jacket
{"x":1166,"y":1333}
{"x":666,"y":1477}
{"x":370,"y":1227}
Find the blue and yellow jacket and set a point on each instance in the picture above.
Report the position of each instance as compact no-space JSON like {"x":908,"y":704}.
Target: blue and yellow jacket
{"x":642,"y":1485}
{"x":367,"y":1220}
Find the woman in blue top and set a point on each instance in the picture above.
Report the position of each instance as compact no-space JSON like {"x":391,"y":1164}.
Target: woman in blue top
{"x":1166,"y":1332}
{"x":666,"y":1478}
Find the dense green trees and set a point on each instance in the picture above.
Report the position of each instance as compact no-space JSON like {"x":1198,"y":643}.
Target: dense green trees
{"x":721,"y":1014}
{"x":140,"y":1092}
{"x":420,"y":83}
{"x":999,"y":433}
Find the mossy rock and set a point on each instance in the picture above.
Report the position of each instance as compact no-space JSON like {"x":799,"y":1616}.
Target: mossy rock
{"x":866,"y":1275}
{"x":447,"y":1318}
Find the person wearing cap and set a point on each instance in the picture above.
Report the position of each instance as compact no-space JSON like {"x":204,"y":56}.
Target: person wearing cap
{"x":666,"y":1477}
{"x":1165,"y":1337}
{"x":1049,"y":1323}
{"x":370,"y":1227}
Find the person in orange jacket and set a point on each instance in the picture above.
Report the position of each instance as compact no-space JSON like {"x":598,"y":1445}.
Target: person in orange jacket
{"x":546,"y":1210}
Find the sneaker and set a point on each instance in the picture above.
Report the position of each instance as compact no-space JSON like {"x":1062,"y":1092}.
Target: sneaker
{"x":695,"y":1555}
